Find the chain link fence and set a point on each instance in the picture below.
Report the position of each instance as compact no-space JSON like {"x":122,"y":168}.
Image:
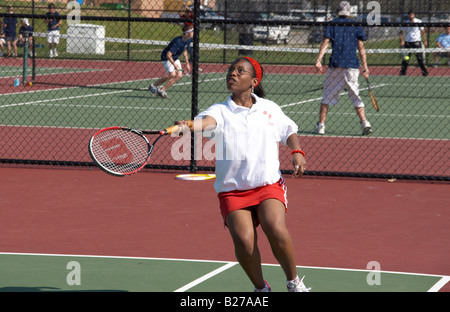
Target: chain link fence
{"x":96,"y":72}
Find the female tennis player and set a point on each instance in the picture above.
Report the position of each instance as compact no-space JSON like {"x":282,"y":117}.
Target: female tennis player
{"x":247,"y":129}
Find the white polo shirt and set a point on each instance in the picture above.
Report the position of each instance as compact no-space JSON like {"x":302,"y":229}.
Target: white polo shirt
{"x":247,"y":143}
{"x":413,"y":32}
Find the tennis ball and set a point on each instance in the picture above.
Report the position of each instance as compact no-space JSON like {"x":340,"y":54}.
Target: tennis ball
{"x":407,"y":58}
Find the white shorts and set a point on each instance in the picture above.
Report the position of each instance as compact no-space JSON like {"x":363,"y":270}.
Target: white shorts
{"x":169,"y":67}
{"x":53,"y":36}
{"x":336,"y":80}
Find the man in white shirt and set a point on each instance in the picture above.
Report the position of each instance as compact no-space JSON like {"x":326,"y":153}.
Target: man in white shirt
{"x":413,"y":40}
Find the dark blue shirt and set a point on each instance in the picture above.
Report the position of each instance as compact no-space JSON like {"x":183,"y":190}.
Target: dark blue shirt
{"x":9,"y":26}
{"x":176,"y":46}
{"x":26,"y":30}
{"x":54,"y":19}
{"x":344,"y":40}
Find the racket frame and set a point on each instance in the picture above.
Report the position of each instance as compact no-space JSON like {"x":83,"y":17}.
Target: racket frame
{"x":140,"y":133}
{"x":373,"y":99}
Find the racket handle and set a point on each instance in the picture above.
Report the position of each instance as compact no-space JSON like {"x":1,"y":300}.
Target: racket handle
{"x":175,"y":128}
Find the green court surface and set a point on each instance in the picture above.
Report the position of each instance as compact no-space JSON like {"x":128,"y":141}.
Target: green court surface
{"x":410,"y":107}
{"x":66,"y":273}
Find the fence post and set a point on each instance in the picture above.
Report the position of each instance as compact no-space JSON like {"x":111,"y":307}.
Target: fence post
{"x":194,"y":101}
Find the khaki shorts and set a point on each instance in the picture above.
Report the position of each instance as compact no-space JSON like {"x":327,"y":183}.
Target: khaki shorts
{"x":53,"y":36}
{"x":169,"y":67}
{"x":336,"y":80}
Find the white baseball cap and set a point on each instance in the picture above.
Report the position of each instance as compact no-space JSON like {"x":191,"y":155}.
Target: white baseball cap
{"x":343,"y":9}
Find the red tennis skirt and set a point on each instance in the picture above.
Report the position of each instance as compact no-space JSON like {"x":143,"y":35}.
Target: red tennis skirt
{"x":235,"y":200}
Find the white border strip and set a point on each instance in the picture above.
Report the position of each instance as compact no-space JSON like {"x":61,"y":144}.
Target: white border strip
{"x":441,"y":283}
{"x":206,"y":277}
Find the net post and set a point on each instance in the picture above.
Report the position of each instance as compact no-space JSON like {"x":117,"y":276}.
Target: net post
{"x":33,"y":49}
{"x":25,"y":60}
{"x":194,"y":100}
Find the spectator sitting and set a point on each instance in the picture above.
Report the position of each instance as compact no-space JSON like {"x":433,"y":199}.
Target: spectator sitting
{"x":26,"y":31}
{"x":443,"y":42}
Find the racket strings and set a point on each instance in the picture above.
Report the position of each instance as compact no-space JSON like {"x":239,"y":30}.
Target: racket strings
{"x":120,"y":151}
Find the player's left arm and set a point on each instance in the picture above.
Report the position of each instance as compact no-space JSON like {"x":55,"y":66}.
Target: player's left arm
{"x":298,"y":159}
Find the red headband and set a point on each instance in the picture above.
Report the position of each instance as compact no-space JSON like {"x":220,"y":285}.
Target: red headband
{"x":256,"y":67}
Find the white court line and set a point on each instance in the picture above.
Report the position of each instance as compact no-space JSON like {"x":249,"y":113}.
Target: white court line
{"x":378,"y":114}
{"x":318,"y":99}
{"x":441,"y":283}
{"x":64,"y":98}
{"x":206,"y":277}
{"x":47,"y":101}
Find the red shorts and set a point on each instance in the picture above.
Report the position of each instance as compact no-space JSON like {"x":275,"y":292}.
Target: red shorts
{"x":235,"y":200}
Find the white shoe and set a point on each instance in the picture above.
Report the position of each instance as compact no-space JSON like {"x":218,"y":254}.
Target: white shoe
{"x":366,"y":128}
{"x":55,"y":53}
{"x":51,"y":53}
{"x":319,"y":129}
{"x":297,"y":285}
{"x":153,"y":89}
{"x":162,"y":93}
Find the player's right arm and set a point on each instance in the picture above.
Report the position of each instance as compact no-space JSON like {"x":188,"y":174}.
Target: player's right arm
{"x":322,"y":51}
{"x":199,"y":124}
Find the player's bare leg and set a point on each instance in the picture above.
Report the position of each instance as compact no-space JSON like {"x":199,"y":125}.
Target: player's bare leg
{"x":243,"y":233}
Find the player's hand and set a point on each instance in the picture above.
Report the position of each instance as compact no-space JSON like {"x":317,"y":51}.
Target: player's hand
{"x":184,"y":126}
{"x":319,"y":66}
{"x":299,"y":163}
{"x":366,"y":73}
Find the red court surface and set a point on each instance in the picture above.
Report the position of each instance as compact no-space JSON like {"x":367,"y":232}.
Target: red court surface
{"x":340,"y":223}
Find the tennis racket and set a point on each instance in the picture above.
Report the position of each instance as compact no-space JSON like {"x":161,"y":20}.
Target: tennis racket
{"x":122,"y":151}
{"x":372,"y":97}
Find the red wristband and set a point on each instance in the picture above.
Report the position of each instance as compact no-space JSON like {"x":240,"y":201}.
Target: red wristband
{"x":298,"y":151}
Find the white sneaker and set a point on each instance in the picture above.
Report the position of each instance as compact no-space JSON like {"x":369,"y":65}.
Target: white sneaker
{"x":265,"y":289}
{"x":297,"y":285}
{"x":319,"y":129}
{"x":55,"y":53}
{"x":51,"y":53}
{"x":153,"y":89}
{"x":162,"y":93}
{"x":366,"y":128}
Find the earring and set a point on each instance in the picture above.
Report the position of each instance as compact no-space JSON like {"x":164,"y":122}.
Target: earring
{"x":253,"y":89}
